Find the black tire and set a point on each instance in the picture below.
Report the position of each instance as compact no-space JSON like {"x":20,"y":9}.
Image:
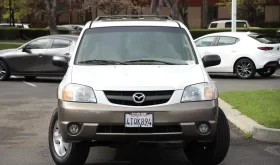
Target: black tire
{"x":4,"y":71}
{"x":267,"y":72}
{"x":216,"y":151}
{"x":77,"y":153}
{"x":30,"y":77}
{"x":251,"y":68}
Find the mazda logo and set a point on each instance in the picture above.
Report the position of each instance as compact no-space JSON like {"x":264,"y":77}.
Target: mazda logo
{"x":138,"y":97}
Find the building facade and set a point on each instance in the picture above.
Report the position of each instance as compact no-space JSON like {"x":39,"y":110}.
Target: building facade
{"x":195,"y":12}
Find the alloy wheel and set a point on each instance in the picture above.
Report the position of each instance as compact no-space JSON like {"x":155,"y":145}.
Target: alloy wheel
{"x":3,"y":70}
{"x":61,"y":148}
{"x":244,"y":68}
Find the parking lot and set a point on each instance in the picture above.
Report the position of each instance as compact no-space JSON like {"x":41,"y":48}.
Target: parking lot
{"x":26,"y":108}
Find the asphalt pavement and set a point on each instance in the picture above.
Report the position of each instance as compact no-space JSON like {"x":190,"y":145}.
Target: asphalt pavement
{"x":26,"y":108}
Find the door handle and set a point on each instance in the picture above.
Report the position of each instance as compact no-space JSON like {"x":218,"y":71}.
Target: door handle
{"x":40,"y":55}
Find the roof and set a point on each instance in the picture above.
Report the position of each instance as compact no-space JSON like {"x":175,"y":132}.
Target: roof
{"x":63,"y":36}
{"x":133,"y":20}
{"x":220,"y":21}
{"x":232,"y":34}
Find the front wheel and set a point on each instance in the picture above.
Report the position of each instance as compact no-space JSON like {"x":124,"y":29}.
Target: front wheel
{"x":4,"y":71}
{"x":65,"y":153}
{"x":267,"y":72}
{"x":214,"y":152}
{"x":245,"y":68}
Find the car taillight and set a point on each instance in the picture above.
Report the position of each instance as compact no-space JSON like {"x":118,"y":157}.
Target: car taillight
{"x":265,"y":48}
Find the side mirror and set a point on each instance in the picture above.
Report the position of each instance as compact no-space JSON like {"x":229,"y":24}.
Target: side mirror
{"x":26,"y":49}
{"x":211,"y":60}
{"x":60,"y":61}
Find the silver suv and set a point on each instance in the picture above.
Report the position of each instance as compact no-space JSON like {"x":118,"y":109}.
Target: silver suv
{"x":137,"y":79}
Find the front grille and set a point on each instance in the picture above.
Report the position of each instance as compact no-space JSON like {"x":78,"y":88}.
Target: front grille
{"x":151,"y":97}
{"x":156,"y":129}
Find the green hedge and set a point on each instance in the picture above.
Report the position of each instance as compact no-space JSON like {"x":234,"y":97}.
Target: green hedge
{"x":20,"y":33}
{"x":196,"y":33}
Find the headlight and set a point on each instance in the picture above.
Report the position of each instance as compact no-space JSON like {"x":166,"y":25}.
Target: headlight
{"x":199,"y":92}
{"x":78,"y":93}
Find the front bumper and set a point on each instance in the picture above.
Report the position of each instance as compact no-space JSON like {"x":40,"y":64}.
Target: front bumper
{"x":171,"y":122}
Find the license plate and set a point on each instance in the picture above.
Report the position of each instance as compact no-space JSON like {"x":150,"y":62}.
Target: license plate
{"x":140,"y":119}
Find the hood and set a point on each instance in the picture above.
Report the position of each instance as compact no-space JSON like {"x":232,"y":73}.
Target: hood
{"x":140,"y":77}
{"x":3,"y":52}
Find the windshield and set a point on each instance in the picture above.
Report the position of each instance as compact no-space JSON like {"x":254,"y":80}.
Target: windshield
{"x":137,"y":44}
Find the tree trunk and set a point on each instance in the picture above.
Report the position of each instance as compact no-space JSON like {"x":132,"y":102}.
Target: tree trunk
{"x":160,"y":6}
{"x":51,"y":16}
{"x":153,"y":7}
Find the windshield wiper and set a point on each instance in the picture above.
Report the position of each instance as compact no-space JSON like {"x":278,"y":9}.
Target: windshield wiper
{"x":156,"y":61}
{"x":101,"y":62}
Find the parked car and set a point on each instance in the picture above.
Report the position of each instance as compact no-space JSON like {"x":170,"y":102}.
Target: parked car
{"x":242,"y":53}
{"x":137,"y":80}
{"x":19,"y":25}
{"x":224,"y":24}
{"x":74,"y":29}
{"x":35,"y":57}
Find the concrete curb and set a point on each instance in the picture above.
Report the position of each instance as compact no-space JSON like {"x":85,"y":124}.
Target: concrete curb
{"x":248,"y":125}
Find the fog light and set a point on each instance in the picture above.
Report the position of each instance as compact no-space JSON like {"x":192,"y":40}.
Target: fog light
{"x":203,"y":128}
{"x":74,"y":129}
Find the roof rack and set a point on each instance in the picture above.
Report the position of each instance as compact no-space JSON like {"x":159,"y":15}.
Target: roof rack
{"x":132,"y":17}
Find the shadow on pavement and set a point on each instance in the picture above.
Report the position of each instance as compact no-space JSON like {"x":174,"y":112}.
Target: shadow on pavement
{"x":139,"y":156}
{"x":37,"y":80}
{"x":233,"y":77}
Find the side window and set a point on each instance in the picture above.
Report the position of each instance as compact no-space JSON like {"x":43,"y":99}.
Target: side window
{"x":228,"y":25}
{"x":39,"y":44}
{"x":241,"y":24}
{"x":207,"y":41}
{"x":59,"y":43}
{"x":223,"y":41}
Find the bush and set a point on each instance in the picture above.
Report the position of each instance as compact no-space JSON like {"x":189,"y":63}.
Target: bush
{"x":9,"y":33}
{"x":196,"y":33}
{"x":20,"y":33}
{"x":270,"y":25}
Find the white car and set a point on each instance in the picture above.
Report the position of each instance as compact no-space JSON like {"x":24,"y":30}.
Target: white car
{"x":137,"y":79}
{"x":224,"y":24}
{"x":242,"y":53}
{"x":19,"y":25}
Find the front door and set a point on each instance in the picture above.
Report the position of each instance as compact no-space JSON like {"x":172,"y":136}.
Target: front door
{"x":59,"y":47}
{"x":28,"y":59}
{"x":206,"y":46}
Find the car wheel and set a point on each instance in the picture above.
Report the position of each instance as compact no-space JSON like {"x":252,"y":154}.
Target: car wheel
{"x":65,"y":153}
{"x":267,"y":72}
{"x":30,"y":77}
{"x":4,"y":71}
{"x":245,"y":68}
{"x":214,"y":152}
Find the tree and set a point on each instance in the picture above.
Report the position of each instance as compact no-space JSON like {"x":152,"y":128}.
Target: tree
{"x":17,"y":10}
{"x":178,"y":9}
{"x":250,"y":8}
{"x":52,"y":9}
{"x":110,"y":7}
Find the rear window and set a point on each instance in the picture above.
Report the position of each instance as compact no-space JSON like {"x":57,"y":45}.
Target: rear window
{"x":213,"y":25}
{"x":264,"y":39}
{"x":134,"y":43}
